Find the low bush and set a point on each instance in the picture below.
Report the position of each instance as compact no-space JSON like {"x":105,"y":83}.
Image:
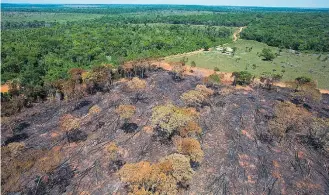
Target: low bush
{"x":268,"y":79}
{"x":213,"y":79}
{"x":242,"y":78}
{"x":68,"y":122}
{"x":111,"y":150}
{"x":193,"y":64}
{"x":13,"y":106}
{"x":95,"y":109}
{"x":267,"y":54}
{"x":136,"y":84}
{"x":197,"y":97}
{"x":288,"y":117}
{"x":305,"y":88}
{"x":163,"y":177}
{"x":204,"y":90}
{"x":178,"y":71}
{"x":193,"y":98}
{"x":15,"y":162}
{"x":319,"y":130}
{"x":190,"y":129}
{"x":169,"y":117}
{"x":50,"y":160}
{"x":125,"y":111}
{"x":190,"y":147}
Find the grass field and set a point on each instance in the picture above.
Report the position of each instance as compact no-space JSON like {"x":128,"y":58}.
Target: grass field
{"x":44,"y":16}
{"x":289,"y":64}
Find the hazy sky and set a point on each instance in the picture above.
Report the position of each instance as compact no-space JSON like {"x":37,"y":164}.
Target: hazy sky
{"x":271,"y":3}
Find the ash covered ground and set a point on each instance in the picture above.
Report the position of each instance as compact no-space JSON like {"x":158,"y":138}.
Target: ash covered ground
{"x":243,"y":151}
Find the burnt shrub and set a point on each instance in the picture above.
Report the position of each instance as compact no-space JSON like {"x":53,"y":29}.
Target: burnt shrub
{"x":20,"y":127}
{"x":16,"y":138}
{"x":76,"y":135}
{"x":82,"y":104}
{"x":129,"y":127}
{"x":13,"y":106}
{"x":115,"y":165}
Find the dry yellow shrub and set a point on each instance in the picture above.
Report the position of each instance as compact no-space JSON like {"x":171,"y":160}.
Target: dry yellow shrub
{"x":197,"y":96}
{"x":69,"y":122}
{"x":190,"y":147}
{"x":14,"y":166}
{"x":111,"y":150}
{"x":193,"y":97}
{"x":170,"y":118}
{"x":126,"y":111}
{"x":204,"y":90}
{"x":15,"y":148}
{"x":159,"y":178}
{"x":182,"y":171}
{"x":190,"y":129}
{"x":136,"y":84}
{"x":288,"y":117}
{"x":50,"y":160}
{"x":94,"y":110}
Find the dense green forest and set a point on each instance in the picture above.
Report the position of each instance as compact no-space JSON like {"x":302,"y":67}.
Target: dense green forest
{"x":46,"y":54}
{"x":298,"y":31}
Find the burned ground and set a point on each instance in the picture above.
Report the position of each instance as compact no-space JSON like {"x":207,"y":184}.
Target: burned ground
{"x":241,"y":153}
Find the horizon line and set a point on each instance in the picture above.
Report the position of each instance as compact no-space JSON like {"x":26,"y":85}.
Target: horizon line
{"x":211,"y":5}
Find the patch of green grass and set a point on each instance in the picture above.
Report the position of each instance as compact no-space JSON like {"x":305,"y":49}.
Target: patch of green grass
{"x":47,"y":17}
{"x":287,"y":63}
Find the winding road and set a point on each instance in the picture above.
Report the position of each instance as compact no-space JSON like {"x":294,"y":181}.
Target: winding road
{"x":236,"y":34}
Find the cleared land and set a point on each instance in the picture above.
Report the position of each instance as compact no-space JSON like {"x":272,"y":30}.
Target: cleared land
{"x":290,"y":64}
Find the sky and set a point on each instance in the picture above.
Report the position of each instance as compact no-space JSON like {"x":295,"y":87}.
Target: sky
{"x":263,"y":3}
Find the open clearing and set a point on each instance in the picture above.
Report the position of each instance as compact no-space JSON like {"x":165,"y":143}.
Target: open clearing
{"x":288,"y":63}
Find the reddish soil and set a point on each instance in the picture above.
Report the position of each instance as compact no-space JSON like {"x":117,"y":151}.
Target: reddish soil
{"x":4,"y":88}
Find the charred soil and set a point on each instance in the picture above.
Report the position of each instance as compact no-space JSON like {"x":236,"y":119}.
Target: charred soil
{"x":253,"y":141}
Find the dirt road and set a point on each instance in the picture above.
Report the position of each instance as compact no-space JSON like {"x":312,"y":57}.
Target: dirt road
{"x":236,"y":34}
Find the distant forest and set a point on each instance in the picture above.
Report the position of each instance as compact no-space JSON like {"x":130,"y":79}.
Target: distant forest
{"x":40,"y":43}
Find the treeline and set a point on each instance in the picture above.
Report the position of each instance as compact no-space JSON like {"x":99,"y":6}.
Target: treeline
{"x":39,"y":55}
{"x":122,"y":8}
{"x":215,"y":19}
{"x":25,"y":24}
{"x":298,"y":31}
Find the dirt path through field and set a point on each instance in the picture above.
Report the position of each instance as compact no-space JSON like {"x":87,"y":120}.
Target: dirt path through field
{"x":236,"y":34}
